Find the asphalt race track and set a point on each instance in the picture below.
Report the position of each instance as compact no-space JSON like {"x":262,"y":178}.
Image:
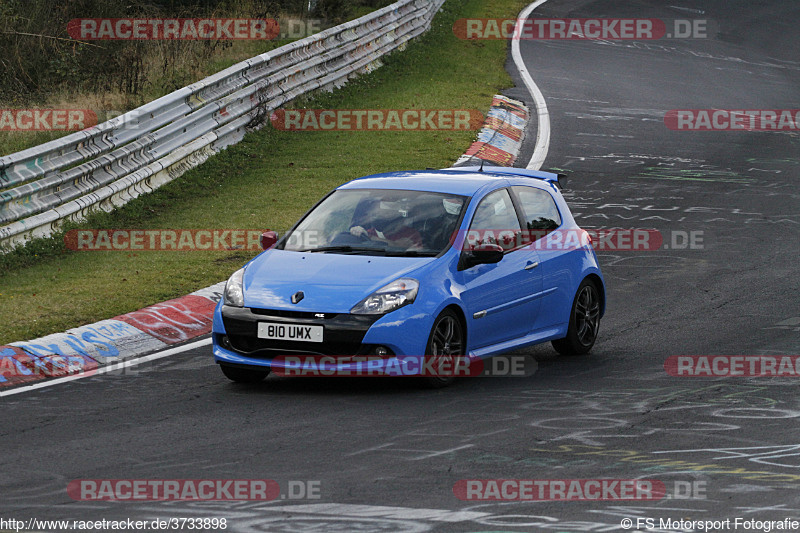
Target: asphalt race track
{"x":385,"y":455}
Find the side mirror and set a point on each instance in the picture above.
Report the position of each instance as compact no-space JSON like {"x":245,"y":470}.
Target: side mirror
{"x":484,"y":254}
{"x":268,"y":239}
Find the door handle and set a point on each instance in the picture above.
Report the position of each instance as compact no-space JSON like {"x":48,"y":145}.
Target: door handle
{"x":531,"y":266}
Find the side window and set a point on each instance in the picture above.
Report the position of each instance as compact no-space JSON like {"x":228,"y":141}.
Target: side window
{"x":539,"y":211}
{"x":495,"y":222}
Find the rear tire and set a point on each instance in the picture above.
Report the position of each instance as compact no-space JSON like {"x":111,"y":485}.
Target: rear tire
{"x":584,"y":321}
{"x":243,"y":375}
{"x":447,"y":342}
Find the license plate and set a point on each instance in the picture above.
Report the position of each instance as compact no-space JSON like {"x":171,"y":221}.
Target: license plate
{"x":289,"y":332}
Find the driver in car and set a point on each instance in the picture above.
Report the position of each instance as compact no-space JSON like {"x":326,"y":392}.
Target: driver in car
{"x":389,"y":226}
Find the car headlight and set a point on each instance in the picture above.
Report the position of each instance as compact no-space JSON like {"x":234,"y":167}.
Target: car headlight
{"x":388,"y":298}
{"x":234,"y":292}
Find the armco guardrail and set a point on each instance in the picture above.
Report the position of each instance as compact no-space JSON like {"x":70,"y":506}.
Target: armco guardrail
{"x":105,"y":166}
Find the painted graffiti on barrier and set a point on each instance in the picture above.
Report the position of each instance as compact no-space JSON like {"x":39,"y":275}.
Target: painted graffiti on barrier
{"x":500,"y":139}
{"x":87,"y":345}
{"x":175,"y":320}
{"x":16,"y":366}
{"x":82,"y":350}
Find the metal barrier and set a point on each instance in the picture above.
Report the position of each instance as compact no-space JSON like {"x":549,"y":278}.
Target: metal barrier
{"x":105,"y":166}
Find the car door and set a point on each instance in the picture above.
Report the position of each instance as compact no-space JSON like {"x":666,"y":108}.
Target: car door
{"x":540,"y":217}
{"x":498,"y":297}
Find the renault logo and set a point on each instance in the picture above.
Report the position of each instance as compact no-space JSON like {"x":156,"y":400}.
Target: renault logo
{"x":296,"y":297}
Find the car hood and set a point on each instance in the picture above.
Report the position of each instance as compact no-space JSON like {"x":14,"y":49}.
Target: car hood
{"x":331,"y":283}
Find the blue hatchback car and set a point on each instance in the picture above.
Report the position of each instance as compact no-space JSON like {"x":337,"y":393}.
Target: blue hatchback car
{"x":466,"y":261}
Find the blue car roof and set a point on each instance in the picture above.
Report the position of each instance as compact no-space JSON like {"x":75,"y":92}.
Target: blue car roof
{"x":465,"y":181}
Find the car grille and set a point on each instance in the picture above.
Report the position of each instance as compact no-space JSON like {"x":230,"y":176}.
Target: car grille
{"x":343,"y":332}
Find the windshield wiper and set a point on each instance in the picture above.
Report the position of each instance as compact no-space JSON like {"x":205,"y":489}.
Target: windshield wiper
{"x":347,"y":248}
{"x":371,"y":249}
{"x":412,"y":253}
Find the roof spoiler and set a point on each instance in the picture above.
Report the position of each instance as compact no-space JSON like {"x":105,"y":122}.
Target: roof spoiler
{"x":556,"y":180}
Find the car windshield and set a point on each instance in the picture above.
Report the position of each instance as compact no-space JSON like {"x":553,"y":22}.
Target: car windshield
{"x":379,"y":222}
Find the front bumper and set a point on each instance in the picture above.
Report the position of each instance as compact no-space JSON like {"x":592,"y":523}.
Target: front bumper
{"x":343,"y":333}
{"x":236,"y":343}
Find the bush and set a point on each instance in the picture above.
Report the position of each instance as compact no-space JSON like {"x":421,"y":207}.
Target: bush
{"x":38,"y":57}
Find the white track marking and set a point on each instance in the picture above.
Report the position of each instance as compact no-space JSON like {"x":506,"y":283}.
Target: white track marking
{"x":543,"y":127}
{"x":379,"y":511}
{"x":108,"y":368}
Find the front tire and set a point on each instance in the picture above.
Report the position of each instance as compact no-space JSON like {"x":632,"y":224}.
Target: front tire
{"x":446,"y":343}
{"x":243,"y":375}
{"x":584,"y":321}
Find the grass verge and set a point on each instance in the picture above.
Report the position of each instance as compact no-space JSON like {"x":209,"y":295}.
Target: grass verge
{"x":266,"y":181}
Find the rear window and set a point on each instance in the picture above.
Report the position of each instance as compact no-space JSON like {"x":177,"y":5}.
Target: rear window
{"x":538,"y":208}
